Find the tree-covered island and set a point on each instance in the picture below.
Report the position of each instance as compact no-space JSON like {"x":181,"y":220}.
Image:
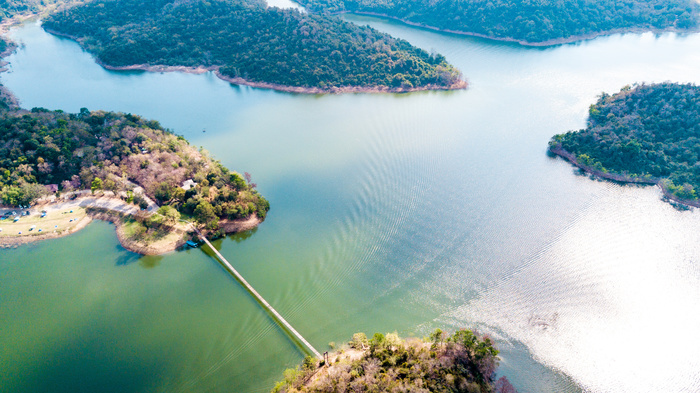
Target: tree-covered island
{"x":647,"y":134}
{"x":149,"y":181}
{"x":441,"y":363}
{"x":544,"y":22}
{"x":246,"y":42}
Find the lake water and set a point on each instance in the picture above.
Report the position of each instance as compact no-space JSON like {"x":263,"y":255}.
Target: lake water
{"x":284,"y":4}
{"x":389,"y":213}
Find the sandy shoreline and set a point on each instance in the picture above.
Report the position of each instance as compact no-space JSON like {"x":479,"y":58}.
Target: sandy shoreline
{"x":7,"y":242}
{"x":571,"y":158}
{"x":115,"y":211}
{"x":552,"y":42}
{"x":460,"y":85}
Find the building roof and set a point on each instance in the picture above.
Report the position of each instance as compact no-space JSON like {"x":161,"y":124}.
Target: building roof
{"x":187,"y":184}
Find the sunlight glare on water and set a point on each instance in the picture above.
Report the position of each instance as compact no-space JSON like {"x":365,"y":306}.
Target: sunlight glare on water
{"x":610,"y":300}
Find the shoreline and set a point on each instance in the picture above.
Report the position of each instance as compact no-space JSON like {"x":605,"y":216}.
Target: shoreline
{"x":550,"y":42}
{"x":460,"y":85}
{"x":15,"y":241}
{"x":96,"y":211}
{"x":618,"y":178}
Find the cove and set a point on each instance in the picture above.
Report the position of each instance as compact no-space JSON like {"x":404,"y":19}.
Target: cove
{"x":389,"y":212}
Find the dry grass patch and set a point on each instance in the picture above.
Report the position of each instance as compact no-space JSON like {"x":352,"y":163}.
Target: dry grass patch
{"x":56,"y":221}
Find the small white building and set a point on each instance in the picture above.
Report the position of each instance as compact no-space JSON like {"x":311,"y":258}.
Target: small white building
{"x":187,"y":184}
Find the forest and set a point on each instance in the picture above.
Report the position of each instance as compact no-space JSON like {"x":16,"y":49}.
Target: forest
{"x":245,"y":39}
{"x":527,"y":20}
{"x":644,"y":131}
{"x":441,"y":363}
{"x":108,"y":151}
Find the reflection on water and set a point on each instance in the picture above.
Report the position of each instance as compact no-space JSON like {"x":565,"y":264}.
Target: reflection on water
{"x":389,"y":213}
{"x":603,"y":298}
{"x":241,"y":236}
{"x":150,"y":261}
{"x":284,"y":4}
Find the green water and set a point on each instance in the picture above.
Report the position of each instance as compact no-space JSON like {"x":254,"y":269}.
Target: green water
{"x":389,"y":213}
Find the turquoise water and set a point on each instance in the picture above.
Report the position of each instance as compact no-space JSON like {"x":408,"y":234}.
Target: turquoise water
{"x":389,"y":213}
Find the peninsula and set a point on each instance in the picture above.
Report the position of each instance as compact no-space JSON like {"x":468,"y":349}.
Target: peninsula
{"x":117,"y":167}
{"x":647,"y":134}
{"x":246,"y":42}
{"x":461,"y":362}
{"x":535,"y":23}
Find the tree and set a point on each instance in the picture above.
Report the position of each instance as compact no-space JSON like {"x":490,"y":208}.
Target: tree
{"x":25,"y":194}
{"x":436,"y":337}
{"x":31,"y":192}
{"x":359,"y":341}
{"x":238,"y":181}
{"x":204,"y":214}
{"x":96,"y":184}
{"x":11,"y":196}
{"x":163,"y":192}
{"x":140,"y":201}
{"x":504,"y":386}
{"x":171,"y":216}
{"x":110,"y":185}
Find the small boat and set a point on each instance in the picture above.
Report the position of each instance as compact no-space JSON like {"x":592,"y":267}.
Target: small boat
{"x":192,"y":244}
{"x":33,"y":227}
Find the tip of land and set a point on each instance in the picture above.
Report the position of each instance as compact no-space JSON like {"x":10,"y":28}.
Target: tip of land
{"x":50,"y":220}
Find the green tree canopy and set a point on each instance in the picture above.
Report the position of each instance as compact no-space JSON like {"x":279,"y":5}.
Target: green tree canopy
{"x":247,"y":39}
{"x":644,"y":132}
{"x":525,"y":20}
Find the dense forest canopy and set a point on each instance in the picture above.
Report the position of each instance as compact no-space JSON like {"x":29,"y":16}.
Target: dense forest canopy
{"x":246,"y":39}
{"x":645,"y":131}
{"x":115,"y":151}
{"x":527,"y":20}
{"x":461,"y":362}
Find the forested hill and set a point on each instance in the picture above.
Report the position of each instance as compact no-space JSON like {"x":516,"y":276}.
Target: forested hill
{"x":115,"y":151}
{"x":461,"y":362}
{"x":248,"y":40}
{"x":527,"y":20}
{"x":648,"y":132}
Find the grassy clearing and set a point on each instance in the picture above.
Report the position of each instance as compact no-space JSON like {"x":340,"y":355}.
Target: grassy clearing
{"x":138,"y":232}
{"x":55,"y":221}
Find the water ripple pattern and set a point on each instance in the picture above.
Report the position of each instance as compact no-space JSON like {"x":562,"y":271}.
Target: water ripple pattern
{"x":612,"y":289}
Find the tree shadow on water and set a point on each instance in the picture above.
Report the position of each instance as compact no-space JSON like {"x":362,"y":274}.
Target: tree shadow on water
{"x":126,"y":257}
{"x":241,"y":236}
{"x":150,"y":261}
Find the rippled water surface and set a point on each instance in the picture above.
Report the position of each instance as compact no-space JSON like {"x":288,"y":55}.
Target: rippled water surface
{"x":389,"y":213}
